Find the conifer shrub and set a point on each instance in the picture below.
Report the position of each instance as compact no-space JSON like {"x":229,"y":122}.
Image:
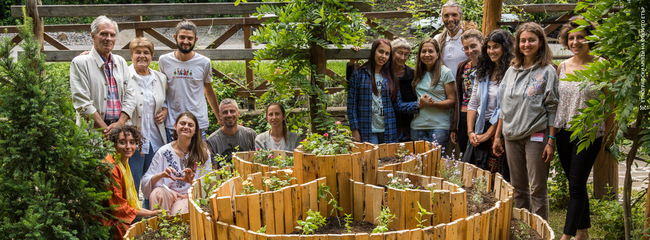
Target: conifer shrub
{"x":52,"y":177}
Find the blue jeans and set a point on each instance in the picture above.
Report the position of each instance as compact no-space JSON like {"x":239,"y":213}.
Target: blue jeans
{"x":441,"y":137}
{"x":170,"y":134}
{"x":377,"y":138}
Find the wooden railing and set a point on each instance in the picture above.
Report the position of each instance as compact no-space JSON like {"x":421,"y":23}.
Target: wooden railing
{"x":212,"y":51}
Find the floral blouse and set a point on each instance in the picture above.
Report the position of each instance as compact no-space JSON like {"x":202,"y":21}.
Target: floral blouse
{"x":573,"y":98}
{"x":467,"y":83}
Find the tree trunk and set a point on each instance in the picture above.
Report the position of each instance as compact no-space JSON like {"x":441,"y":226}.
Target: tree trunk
{"x":627,"y":186}
{"x":31,"y":8}
{"x":319,"y":59}
{"x":491,"y":15}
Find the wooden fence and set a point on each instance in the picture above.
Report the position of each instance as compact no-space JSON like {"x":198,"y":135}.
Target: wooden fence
{"x":245,"y":22}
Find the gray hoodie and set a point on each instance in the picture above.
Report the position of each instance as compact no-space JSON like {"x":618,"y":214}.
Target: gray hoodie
{"x":528,"y":99}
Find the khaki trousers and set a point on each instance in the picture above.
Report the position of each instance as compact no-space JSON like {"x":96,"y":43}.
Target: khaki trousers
{"x":529,"y":174}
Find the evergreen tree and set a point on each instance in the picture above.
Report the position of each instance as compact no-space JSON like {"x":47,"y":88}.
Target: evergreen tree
{"x":52,"y":177}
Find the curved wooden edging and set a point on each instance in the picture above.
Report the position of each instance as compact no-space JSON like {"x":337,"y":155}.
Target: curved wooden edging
{"x":422,"y":148}
{"x":360,"y":165}
{"x":139,"y":227}
{"x":534,"y":221}
{"x":242,"y":161}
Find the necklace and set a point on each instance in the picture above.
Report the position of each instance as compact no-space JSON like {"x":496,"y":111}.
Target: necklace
{"x":180,"y":149}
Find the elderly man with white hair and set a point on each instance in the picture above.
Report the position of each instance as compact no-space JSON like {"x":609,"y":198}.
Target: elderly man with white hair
{"x":100,"y":82}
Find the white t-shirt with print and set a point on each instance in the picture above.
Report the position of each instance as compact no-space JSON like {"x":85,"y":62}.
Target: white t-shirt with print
{"x":185,"y":81}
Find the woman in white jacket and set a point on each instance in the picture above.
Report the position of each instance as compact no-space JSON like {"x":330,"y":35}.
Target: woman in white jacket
{"x":150,"y":112}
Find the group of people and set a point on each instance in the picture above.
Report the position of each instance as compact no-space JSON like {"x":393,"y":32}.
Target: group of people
{"x":158,"y":120}
{"x":495,"y":96}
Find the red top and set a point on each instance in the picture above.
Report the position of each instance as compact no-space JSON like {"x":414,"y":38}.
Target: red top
{"x":122,"y":211}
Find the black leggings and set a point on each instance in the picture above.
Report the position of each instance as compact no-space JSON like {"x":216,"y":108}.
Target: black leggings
{"x":577,"y":167}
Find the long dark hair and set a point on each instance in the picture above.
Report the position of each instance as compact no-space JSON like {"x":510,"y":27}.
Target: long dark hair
{"x":284,"y":120}
{"x":421,"y":68}
{"x":544,"y":55}
{"x":386,"y":70}
{"x":198,"y":148}
{"x":485,"y":65}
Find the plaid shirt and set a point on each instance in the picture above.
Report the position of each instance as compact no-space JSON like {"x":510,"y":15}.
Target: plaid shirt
{"x":360,"y":106}
{"x":113,"y":104}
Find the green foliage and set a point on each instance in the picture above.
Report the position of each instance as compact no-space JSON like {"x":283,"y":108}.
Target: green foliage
{"x":262,"y":229}
{"x":313,"y":221}
{"x":167,"y":227}
{"x":212,"y":181}
{"x":558,"y":186}
{"x":266,"y":157}
{"x":249,"y":188}
{"x":323,"y":193}
{"x":420,"y":217}
{"x":53,"y":178}
{"x":385,"y":217}
{"x":338,"y":140}
{"x":397,"y":183}
{"x":302,"y":26}
{"x":608,"y":215}
{"x":451,"y":172}
{"x":348,"y":221}
{"x":618,"y":39}
{"x":275,"y":183}
{"x":480,"y":187}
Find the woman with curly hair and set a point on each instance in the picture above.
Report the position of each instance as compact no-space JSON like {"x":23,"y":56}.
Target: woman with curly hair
{"x":482,"y":109}
{"x":126,"y":139}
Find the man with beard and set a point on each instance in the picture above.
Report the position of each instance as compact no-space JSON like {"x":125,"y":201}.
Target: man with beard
{"x":189,"y":78}
{"x":451,"y":47}
{"x":230,"y":137}
{"x":100,"y":82}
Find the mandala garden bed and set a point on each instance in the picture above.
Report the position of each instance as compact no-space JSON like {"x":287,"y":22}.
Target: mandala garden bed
{"x":267,"y":203}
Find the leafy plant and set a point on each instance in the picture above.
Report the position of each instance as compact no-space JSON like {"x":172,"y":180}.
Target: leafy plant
{"x":262,"y":229}
{"x":249,"y":188}
{"x":297,"y":39}
{"x":323,"y":192}
{"x":313,"y":221}
{"x":348,"y":221}
{"x":402,"y":151}
{"x":624,"y":90}
{"x":385,"y":217}
{"x":275,"y":183}
{"x":338,"y":140}
{"x":212,"y":181}
{"x":266,"y":157}
{"x":53,"y":179}
{"x":397,"y":183}
{"x":451,"y":172}
{"x":480,"y":187}
{"x":420,"y":217}
{"x":167,"y":227}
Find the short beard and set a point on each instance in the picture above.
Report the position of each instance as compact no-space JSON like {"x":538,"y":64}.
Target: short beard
{"x":184,"y":51}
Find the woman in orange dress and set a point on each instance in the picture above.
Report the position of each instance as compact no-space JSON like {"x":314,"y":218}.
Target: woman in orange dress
{"x":124,"y":200}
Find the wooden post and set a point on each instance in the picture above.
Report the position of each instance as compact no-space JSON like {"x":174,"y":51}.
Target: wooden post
{"x":250,"y":83}
{"x":31,"y":7}
{"x":491,"y":15}
{"x":605,"y":175}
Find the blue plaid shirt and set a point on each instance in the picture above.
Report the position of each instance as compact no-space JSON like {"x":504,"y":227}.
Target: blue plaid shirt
{"x":360,"y":106}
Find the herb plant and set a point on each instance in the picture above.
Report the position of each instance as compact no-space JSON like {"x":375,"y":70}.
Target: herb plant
{"x":313,"y":221}
{"x":420,"y":217}
{"x":385,"y":217}
{"x":266,"y":157}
